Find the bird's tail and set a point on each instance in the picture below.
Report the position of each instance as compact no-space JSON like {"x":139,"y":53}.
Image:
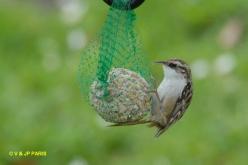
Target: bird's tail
{"x":160,"y":129}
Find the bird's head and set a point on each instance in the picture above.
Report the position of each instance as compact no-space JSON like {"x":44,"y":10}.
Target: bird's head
{"x":176,"y":68}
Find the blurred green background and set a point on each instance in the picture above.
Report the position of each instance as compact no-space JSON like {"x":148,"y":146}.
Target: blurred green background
{"x":41,"y":107}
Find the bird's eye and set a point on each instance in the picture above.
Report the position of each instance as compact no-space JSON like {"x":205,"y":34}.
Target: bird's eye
{"x":172,"y":65}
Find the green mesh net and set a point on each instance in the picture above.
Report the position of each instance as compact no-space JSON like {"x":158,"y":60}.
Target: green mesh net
{"x":116,"y":57}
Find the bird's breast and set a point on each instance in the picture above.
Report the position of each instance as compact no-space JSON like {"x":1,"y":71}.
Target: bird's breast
{"x":171,"y":88}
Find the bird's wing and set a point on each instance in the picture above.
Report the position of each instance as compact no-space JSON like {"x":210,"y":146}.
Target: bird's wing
{"x":182,"y":104}
{"x":180,"y":107}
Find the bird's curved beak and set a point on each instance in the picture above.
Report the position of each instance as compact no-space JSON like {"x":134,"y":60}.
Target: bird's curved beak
{"x":161,"y":62}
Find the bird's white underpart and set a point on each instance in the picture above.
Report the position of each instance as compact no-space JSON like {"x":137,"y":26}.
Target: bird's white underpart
{"x":172,"y":85}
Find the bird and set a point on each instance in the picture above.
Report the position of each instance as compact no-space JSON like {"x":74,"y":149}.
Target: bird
{"x":172,"y":97}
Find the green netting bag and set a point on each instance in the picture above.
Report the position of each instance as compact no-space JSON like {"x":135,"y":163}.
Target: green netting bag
{"x":113,"y":74}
